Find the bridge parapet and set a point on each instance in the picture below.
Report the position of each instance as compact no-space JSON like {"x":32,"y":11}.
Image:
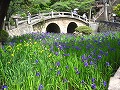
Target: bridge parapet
{"x":44,"y":16}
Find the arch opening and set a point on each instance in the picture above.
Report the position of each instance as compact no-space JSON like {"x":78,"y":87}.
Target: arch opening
{"x":71,"y":27}
{"x":53,"y":28}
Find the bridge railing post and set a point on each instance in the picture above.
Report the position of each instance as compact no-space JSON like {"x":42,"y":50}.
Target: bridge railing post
{"x":16,"y":22}
{"x":52,"y":14}
{"x":39,"y":15}
{"x":72,"y":13}
{"x":59,"y":14}
{"x":29,"y":18}
{"x":79,"y":16}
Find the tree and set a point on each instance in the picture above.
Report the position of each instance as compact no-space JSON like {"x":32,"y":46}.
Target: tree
{"x":14,"y":8}
{"x":61,"y":6}
{"x":4,"y":4}
{"x":39,"y":6}
{"x":68,"y":5}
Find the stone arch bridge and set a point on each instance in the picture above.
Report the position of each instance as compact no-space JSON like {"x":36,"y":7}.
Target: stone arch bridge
{"x":56,"y":22}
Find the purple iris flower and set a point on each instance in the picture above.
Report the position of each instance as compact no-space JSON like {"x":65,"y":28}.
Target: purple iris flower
{"x":60,"y":47}
{"x":82,"y":39}
{"x":58,"y":64}
{"x":4,"y":87}
{"x":21,"y":40}
{"x":67,"y":67}
{"x":76,"y":69}
{"x":106,"y":53}
{"x":89,"y":56}
{"x":40,"y":87}
{"x":112,"y":49}
{"x":101,"y":52}
{"x":58,"y":72}
{"x":36,"y":61}
{"x":119,"y":42}
{"x":77,"y":48}
{"x":84,"y":57}
{"x":56,"y":53}
{"x":66,"y":54}
{"x":93,"y":80}
{"x":38,"y":74}
{"x":99,"y":57}
{"x":107,"y":64}
{"x":91,"y":63}
{"x":77,"y":72}
{"x":104,"y":83}
{"x":11,"y":43}
{"x":93,"y":86}
{"x":51,"y":48}
{"x":85,"y":64}
{"x":65,"y":80}
{"x":83,"y":82}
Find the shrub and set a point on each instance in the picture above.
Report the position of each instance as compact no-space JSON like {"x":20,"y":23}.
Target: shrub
{"x":84,"y":30}
{"x":116,"y":9}
{"x":3,"y":35}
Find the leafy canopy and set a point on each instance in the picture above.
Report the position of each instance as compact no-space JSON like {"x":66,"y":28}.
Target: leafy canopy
{"x":35,"y":6}
{"x":68,"y":5}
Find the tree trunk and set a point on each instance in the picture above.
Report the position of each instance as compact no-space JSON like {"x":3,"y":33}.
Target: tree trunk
{"x":0,"y":44}
{"x":106,"y":11}
{"x":4,"y":4}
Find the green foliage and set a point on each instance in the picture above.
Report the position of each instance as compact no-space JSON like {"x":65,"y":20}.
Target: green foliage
{"x":3,"y":35}
{"x":54,"y":1}
{"x":21,"y":7}
{"x":84,"y":30}
{"x":61,"y":6}
{"x":16,"y":7}
{"x":83,"y":6}
{"x":116,"y":9}
{"x":38,"y":6}
{"x":23,"y":15}
{"x":35,"y":6}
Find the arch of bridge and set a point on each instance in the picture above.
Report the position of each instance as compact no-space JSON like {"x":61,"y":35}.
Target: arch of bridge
{"x":63,"y":23}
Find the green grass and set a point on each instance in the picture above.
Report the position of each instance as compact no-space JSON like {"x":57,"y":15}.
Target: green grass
{"x":59,"y":61}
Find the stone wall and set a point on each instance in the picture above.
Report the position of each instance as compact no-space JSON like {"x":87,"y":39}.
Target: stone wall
{"x":114,"y":83}
{"x":38,"y":27}
{"x":94,"y":26}
{"x":22,"y":29}
{"x":105,"y":26}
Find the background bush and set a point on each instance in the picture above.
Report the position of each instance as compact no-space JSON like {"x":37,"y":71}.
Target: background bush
{"x":116,"y":9}
{"x":84,"y":30}
{"x":3,"y":35}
